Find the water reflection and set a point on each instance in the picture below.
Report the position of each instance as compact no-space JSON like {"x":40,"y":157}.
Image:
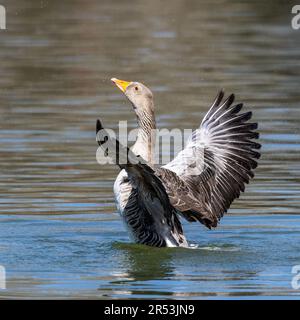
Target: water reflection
{"x":147,"y":263}
{"x":143,"y":269}
{"x":182,"y":273}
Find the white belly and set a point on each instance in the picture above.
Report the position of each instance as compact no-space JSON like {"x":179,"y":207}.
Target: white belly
{"x":122,"y":190}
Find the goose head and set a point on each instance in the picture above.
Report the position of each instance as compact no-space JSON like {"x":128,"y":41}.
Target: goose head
{"x":138,"y":94}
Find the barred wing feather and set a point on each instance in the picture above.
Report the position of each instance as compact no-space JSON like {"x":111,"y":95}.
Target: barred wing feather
{"x":217,"y":162}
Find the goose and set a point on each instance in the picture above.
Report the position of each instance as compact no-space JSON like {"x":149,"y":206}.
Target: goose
{"x":151,"y":199}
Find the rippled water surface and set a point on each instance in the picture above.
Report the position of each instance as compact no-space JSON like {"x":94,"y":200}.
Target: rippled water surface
{"x":60,"y":235}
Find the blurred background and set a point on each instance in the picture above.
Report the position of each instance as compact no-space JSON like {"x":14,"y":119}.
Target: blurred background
{"x":57,"y":212}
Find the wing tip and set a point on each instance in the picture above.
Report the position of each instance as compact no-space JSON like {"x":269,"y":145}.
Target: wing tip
{"x":98,"y":126}
{"x":220,"y":95}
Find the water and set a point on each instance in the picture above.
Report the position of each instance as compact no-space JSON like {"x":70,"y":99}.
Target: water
{"x":60,"y":235}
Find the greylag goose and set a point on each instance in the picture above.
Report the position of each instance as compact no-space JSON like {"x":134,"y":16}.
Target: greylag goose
{"x":150,"y":199}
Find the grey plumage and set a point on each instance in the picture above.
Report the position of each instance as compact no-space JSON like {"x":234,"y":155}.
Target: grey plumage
{"x":228,"y":162}
{"x":148,"y":214}
{"x":199,"y":184}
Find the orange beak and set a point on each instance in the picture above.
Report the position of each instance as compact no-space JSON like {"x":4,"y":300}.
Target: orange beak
{"x":122,"y":85}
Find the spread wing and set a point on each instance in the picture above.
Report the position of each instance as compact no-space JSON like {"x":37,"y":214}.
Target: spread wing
{"x":216,"y":163}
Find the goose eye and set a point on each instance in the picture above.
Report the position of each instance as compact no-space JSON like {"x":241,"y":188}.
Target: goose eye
{"x":136,"y":88}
